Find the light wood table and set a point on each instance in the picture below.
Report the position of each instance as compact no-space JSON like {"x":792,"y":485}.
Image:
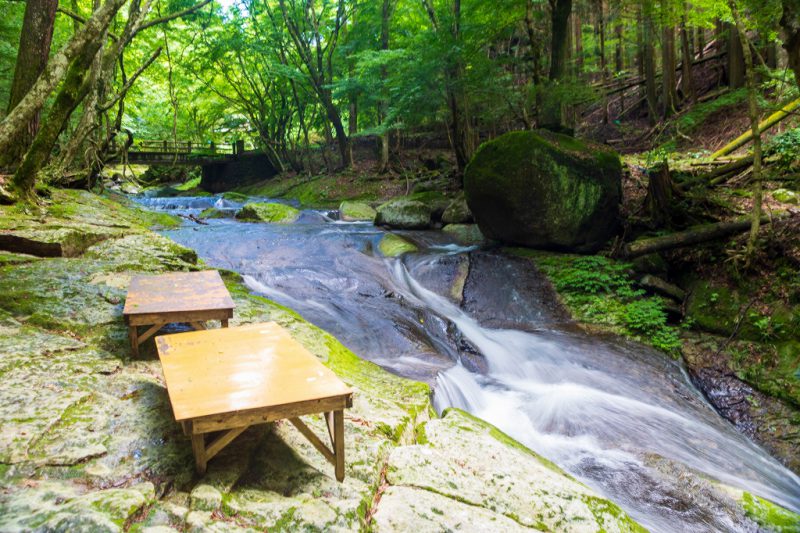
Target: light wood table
{"x":225,"y":380}
{"x":187,"y":297}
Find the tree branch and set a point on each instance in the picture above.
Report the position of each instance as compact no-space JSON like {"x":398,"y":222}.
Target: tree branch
{"x":173,"y":16}
{"x":108,"y":105}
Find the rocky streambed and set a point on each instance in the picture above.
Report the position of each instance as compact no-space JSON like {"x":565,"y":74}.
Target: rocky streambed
{"x":88,"y":442}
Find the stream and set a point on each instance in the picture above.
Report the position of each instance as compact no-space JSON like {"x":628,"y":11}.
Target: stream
{"x":617,"y":415}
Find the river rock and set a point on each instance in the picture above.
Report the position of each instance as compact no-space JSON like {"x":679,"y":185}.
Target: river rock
{"x":356,"y":212}
{"x":393,"y":245}
{"x":458,"y":211}
{"x":545,"y":190}
{"x":404,"y":213}
{"x":469,"y":461}
{"x":269,"y":212}
{"x":467,"y":234}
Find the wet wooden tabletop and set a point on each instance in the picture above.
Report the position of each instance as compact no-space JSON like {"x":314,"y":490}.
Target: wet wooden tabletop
{"x":247,"y":367}
{"x":177,"y":292}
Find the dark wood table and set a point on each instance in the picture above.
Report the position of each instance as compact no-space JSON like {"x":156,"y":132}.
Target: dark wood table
{"x":178,"y":297}
{"x":225,"y":380}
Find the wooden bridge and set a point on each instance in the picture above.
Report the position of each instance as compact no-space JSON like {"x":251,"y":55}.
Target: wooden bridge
{"x":152,"y":152}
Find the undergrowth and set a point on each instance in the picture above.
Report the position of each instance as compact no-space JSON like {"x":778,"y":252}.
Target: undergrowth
{"x":599,"y":290}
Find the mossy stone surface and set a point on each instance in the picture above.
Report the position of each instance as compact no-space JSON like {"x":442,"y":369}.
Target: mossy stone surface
{"x":457,"y":212}
{"x":356,"y":212}
{"x":393,"y":245}
{"x":213,"y":212}
{"x":404,"y":213}
{"x":268,"y":212}
{"x":545,"y":190}
{"x":467,"y":234}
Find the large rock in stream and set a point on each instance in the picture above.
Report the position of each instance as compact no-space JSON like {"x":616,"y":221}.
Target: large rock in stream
{"x":545,"y":190}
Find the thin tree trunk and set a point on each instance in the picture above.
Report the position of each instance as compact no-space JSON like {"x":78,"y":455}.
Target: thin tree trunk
{"x":687,"y":83}
{"x":34,"y":48}
{"x":649,"y":60}
{"x":752,"y":109}
{"x":668,"y":79}
{"x":576,"y":20}
{"x":383,"y":105}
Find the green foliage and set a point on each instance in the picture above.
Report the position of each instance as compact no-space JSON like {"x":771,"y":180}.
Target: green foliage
{"x":785,"y":147}
{"x":599,"y":290}
{"x":699,"y":113}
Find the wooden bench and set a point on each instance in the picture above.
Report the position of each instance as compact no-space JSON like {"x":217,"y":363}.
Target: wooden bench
{"x":188,"y":297}
{"x":225,"y":380}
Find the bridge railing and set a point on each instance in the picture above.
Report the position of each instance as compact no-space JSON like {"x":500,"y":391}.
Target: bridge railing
{"x":182,"y":147}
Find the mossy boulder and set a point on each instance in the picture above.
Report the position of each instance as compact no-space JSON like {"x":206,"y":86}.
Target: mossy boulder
{"x":467,"y":234}
{"x":786,"y":196}
{"x":457,"y":212}
{"x":392,"y":245}
{"x":404,"y":213}
{"x":268,"y":212}
{"x":213,"y":212}
{"x":545,"y":190}
{"x":356,"y":212}
{"x":235,"y":196}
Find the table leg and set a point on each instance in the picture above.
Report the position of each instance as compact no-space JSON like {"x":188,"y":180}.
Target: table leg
{"x":199,"y":450}
{"x":338,"y":445}
{"x":133,"y":335}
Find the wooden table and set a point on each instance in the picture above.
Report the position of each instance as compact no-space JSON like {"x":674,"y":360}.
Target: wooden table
{"x":225,"y":380}
{"x":190,"y":297}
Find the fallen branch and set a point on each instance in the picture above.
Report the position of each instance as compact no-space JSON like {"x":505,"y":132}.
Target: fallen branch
{"x":721,"y":173}
{"x":766,"y":124}
{"x":695,"y":235}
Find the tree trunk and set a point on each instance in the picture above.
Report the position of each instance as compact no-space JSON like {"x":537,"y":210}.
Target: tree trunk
{"x":383,"y":105}
{"x":619,"y":57}
{"x":601,"y":29}
{"x":649,"y":59}
{"x":696,"y":235}
{"x":57,"y":67}
{"x":75,"y":87}
{"x":668,"y":79}
{"x":576,"y":21}
{"x":559,"y":18}
{"x":687,"y":83}
{"x":660,"y":191}
{"x":752,"y":111}
{"x":790,"y":26}
{"x":736,"y":66}
{"x":34,"y":48}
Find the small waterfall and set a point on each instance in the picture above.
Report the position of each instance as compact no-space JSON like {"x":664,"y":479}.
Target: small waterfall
{"x":608,"y":425}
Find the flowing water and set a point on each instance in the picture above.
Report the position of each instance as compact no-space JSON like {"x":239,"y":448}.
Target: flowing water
{"x":622,"y":418}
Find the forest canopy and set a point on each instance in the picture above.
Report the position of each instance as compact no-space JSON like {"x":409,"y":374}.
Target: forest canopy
{"x":290,"y":76}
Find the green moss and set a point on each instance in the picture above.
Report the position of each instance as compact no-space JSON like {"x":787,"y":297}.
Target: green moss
{"x":356,"y":211}
{"x":213,"y":212}
{"x":393,"y":245}
{"x":770,"y":516}
{"x":268,"y":212}
{"x":235,"y":196}
{"x":600,"y":291}
{"x":189,"y":184}
{"x":603,"y":509}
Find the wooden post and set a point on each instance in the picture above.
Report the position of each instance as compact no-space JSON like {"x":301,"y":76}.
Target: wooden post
{"x":133,"y":335}
{"x":338,"y":435}
{"x":199,"y":450}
